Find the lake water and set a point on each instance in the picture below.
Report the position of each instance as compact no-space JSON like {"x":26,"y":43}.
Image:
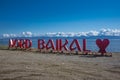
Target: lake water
{"x":114,"y":45}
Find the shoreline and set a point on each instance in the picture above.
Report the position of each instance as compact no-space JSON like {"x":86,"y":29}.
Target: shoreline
{"x":90,"y":53}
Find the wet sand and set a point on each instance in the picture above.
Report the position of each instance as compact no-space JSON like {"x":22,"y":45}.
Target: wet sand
{"x":21,"y":65}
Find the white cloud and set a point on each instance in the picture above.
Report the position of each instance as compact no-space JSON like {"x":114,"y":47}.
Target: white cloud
{"x":6,"y":35}
{"x":102,"y":32}
{"x":27,"y":34}
{"x":93,"y":33}
{"x":110,"y":32}
{"x":9,"y":35}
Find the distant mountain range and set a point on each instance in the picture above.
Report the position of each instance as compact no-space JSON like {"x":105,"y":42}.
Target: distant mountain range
{"x":103,"y":33}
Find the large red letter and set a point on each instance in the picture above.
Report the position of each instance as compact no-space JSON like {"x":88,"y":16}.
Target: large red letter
{"x":20,"y":43}
{"x":77,"y":45}
{"x":57,"y":44}
{"x":12,"y":43}
{"x":84,"y":46}
{"x":51,"y":44}
{"x":41,"y":42}
{"x":28,"y":43}
{"x":64,"y":45}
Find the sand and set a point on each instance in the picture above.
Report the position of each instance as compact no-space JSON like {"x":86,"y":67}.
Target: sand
{"x":21,"y":65}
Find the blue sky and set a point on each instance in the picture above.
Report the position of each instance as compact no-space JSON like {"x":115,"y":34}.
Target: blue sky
{"x":42,"y":16}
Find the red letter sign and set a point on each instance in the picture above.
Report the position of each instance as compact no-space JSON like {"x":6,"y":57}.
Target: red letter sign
{"x":77,"y":45}
{"x":41,"y":42}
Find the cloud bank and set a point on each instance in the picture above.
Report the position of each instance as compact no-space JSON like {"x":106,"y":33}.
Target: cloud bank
{"x":102,"y":32}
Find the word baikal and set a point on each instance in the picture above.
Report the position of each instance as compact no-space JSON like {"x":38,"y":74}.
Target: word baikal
{"x":58,"y":44}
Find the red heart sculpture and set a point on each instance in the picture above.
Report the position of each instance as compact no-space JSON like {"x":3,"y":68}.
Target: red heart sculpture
{"x":102,"y":45}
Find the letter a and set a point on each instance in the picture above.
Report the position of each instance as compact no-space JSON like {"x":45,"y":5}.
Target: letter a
{"x":77,"y":45}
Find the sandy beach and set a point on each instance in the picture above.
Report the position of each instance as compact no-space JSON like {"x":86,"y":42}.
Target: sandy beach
{"x":21,"y":65}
